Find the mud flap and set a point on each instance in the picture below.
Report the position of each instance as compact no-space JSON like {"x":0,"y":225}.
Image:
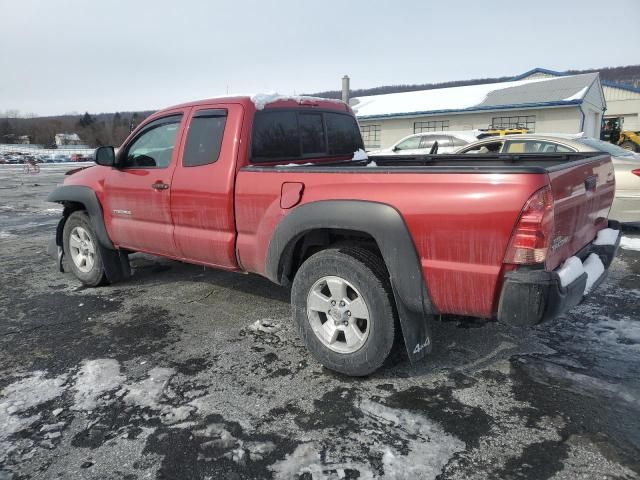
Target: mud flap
{"x":57,"y":252}
{"x":415,"y":330}
{"x":116,"y":264}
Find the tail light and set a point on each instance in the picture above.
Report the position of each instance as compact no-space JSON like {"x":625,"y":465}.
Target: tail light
{"x":532,"y":236}
{"x":636,"y":172}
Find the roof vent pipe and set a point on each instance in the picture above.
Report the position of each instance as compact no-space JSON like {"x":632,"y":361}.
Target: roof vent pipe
{"x":345,"y":89}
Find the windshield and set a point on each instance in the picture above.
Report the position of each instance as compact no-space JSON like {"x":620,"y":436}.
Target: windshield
{"x":606,"y":147}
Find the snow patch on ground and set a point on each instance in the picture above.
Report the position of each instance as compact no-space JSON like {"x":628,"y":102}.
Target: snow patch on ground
{"x":422,"y":449}
{"x":149,"y":393}
{"x":19,"y":397}
{"x":304,"y":459}
{"x":52,"y":211}
{"x":266,"y":325}
{"x":430,"y":447}
{"x":623,"y":332}
{"x":95,"y":378}
{"x":583,"y":384}
{"x":630,"y":243}
{"x":6,"y":235}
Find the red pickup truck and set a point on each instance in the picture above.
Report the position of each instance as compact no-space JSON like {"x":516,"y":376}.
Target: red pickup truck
{"x":281,"y":187}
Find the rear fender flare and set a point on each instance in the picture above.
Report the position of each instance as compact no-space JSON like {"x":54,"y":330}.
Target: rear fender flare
{"x":387,"y":227}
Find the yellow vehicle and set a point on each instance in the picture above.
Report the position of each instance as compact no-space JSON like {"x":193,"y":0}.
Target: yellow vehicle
{"x":501,"y":132}
{"x":629,"y":140}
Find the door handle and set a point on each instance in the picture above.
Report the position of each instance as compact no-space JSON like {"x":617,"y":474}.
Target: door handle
{"x":160,"y":186}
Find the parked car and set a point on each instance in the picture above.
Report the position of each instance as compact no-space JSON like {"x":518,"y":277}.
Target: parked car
{"x":421,"y":143}
{"x":282,"y":188}
{"x":626,"y":205}
{"x":61,"y":158}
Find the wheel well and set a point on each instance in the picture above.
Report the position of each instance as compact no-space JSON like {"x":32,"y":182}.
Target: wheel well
{"x":70,"y":207}
{"x":313,"y":241}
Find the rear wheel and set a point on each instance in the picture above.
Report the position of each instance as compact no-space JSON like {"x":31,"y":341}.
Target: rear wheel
{"x":629,"y":145}
{"x":81,"y":248}
{"x":343,"y":305}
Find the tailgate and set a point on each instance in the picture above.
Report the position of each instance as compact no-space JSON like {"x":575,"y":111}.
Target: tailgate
{"x":582,"y":192}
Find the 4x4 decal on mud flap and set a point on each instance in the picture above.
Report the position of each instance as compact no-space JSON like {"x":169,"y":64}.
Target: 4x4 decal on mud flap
{"x":421,"y":346}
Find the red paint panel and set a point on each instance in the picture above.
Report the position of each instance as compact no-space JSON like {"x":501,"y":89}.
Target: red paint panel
{"x":460,"y":223}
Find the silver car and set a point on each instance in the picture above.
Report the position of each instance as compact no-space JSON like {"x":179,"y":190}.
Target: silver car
{"x":626,"y":205}
{"x":421,"y":143}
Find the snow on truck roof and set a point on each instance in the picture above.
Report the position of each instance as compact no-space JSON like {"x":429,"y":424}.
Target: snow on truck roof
{"x":567,"y":90}
{"x":260,"y":100}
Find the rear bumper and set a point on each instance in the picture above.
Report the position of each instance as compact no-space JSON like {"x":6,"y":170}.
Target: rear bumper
{"x":530,"y":296}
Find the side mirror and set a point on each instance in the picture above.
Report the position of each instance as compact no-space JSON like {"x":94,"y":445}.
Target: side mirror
{"x":106,"y":156}
{"x":396,"y":148}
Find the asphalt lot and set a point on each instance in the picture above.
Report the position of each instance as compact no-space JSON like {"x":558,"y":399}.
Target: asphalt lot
{"x":184,"y":372}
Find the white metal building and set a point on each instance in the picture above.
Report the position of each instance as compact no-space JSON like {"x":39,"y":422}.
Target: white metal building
{"x":562,"y":104}
{"x":623,"y":101}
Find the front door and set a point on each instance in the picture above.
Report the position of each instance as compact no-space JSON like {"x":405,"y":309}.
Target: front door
{"x":138,"y":191}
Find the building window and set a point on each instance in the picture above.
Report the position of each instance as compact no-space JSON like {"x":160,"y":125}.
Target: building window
{"x":520,"y":121}
{"x":370,"y":136}
{"x":431,"y":126}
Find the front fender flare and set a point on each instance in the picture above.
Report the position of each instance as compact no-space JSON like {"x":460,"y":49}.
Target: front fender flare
{"x":87,"y":197}
{"x":116,"y":263}
{"x":387,"y":227}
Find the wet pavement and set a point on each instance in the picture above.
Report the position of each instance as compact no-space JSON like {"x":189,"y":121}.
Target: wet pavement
{"x":184,"y":372}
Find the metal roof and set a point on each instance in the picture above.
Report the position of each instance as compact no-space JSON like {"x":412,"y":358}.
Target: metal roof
{"x":606,"y":83}
{"x":533,"y":93}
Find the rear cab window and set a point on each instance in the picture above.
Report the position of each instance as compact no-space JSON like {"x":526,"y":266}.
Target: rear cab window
{"x":291,"y":134}
{"x":204,"y":139}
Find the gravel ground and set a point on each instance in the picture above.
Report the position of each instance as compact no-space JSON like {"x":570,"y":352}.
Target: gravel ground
{"x":184,"y":372}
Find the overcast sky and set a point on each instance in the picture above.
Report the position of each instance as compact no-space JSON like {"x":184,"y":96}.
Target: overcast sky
{"x":61,"y":56}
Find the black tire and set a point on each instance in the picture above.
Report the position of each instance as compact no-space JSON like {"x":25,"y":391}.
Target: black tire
{"x":629,"y":145}
{"x":96,"y":276}
{"x":367,"y":273}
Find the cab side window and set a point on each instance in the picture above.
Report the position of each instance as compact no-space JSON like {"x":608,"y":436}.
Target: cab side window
{"x":153,"y":147}
{"x":204,"y":139}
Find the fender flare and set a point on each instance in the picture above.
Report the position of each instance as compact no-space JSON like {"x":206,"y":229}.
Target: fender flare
{"x":87,"y":197}
{"x":116,"y":263}
{"x":388,"y":228}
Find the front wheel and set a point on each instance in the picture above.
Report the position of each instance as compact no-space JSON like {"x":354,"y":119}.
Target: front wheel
{"x":343,"y":305}
{"x":82,"y":250}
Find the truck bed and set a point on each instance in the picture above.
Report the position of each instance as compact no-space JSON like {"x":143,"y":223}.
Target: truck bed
{"x":445,"y":163}
{"x":461,"y":217}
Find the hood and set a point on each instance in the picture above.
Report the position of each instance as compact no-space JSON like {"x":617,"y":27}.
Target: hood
{"x":79,"y":169}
